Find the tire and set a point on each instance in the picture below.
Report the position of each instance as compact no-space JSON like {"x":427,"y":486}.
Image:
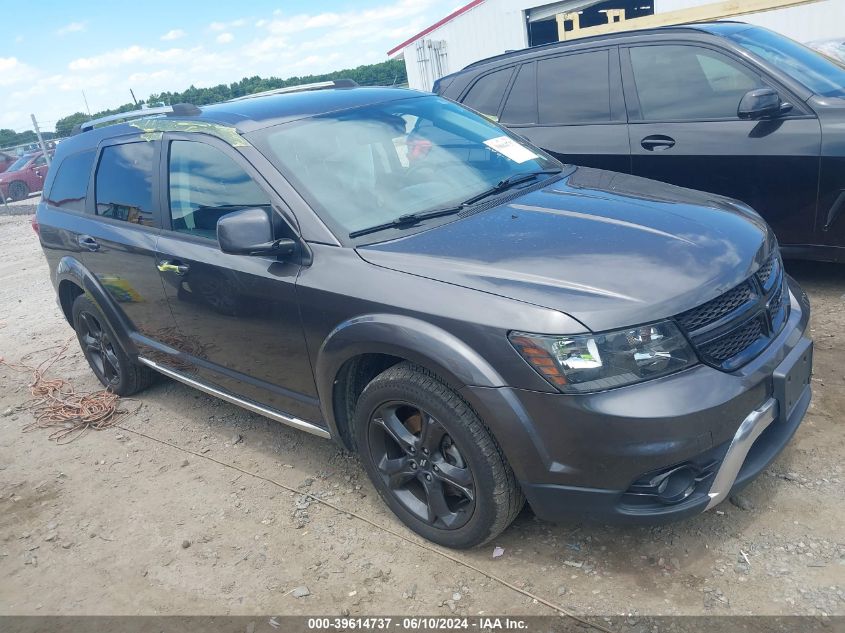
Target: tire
{"x":18,"y":190}
{"x":101,"y":348}
{"x":461,"y":492}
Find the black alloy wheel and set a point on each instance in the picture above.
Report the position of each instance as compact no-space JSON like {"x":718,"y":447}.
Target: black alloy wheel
{"x":99,"y":349}
{"x":422,"y":465}
{"x":432,"y":460}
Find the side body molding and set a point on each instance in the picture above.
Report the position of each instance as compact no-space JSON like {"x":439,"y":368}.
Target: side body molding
{"x":403,"y":336}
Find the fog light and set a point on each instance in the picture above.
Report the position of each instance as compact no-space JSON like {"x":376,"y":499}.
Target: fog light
{"x":676,"y":485}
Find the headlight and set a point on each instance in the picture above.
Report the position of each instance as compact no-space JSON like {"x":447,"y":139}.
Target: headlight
{"x":595,"y":362}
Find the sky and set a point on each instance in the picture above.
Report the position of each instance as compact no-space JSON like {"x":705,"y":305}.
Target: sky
{"x":105,"y":48}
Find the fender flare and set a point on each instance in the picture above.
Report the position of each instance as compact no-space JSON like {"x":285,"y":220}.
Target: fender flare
{"x":71,"y":269}
{"x":406,"y":337}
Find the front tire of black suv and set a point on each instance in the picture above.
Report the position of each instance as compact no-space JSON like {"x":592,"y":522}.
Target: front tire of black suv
{"x":432,"y":460}
{"x":104,"y":354}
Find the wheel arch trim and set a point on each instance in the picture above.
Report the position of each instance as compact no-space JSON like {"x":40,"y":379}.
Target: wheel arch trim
{"x":405,"y":337}
{"x":72,"y":270}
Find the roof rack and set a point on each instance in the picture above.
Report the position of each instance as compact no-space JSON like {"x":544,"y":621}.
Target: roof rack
{"x":320,"y":85}
{"x":179,"y":109}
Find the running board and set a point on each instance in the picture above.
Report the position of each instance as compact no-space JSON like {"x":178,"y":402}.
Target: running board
{"x":290,"y":420}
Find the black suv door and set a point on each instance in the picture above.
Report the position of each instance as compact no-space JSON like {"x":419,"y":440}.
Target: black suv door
{"x":237,"y":315}
{"x":684,"y":129}
{"x":116,"y":237}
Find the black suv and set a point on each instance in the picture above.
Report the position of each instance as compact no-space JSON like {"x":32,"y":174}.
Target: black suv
{"x":723,"y":107}
{"x":479,"y":322}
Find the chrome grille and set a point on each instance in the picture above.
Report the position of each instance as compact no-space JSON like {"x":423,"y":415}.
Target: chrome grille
{"x":733,"y":328}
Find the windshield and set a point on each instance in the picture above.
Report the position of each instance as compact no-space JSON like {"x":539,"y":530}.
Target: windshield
{"x":19,"y":163}
{"x":362,"y":167}
{"x":820,"y":74}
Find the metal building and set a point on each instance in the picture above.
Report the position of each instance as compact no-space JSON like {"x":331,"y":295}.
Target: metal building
{"x":483,"y":28}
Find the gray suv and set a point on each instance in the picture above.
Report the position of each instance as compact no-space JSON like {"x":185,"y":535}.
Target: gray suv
{"x":480,"y":323}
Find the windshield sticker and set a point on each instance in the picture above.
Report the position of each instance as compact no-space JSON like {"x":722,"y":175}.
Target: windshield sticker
{"x":510,"y":149}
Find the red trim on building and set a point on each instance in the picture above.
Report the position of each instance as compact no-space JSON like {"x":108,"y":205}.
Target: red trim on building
{"x":434,"y":26}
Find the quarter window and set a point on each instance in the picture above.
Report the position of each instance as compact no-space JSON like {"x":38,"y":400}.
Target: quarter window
{"x":574,"y":88}
{"x":70,"y":185}
{"x":205,"y":185}
{"x":486,"y":93}
{"x":124,"y":189}
{"x":688,"y":83}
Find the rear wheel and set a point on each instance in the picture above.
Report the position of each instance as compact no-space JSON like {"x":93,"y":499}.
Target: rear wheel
{"x":104,"y":354}
{"x":432,"y":460}
{"x":18,"y":190}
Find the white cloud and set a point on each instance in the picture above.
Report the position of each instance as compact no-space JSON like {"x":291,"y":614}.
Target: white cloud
{"x":132,"y":55}
{"x":173,"y":34}
{"x":13,"y":71}
{"x":73,"y":27}
{"x":234,"y":24}
{"x":273,"y":44}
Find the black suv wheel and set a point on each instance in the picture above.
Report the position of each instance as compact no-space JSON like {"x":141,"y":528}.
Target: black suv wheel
{"x":104,"y":354}
{"x":432,"y":460}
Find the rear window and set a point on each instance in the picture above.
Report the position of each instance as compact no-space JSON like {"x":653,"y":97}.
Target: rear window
{"x":124,"y":188}
{"x":70,"y":186}
{"x":574,"y":88}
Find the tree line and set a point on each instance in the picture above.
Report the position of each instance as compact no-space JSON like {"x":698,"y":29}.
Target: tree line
{"x":391,"y":72}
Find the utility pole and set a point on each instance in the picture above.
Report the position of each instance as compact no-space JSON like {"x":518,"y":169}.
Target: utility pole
{"x":40,"y":140}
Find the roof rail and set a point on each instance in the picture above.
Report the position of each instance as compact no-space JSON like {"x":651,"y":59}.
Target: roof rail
{"x":320,"y":85}
{"x":180,"y":109}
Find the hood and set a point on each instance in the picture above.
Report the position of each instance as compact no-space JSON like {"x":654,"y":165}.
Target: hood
{"x":608,"y":249}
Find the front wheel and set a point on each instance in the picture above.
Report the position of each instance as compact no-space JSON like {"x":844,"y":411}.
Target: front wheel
{"x":432,"y":460}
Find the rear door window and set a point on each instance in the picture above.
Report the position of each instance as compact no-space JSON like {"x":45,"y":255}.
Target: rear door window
{"x":521,"y":105}
{"x":574,"y":88}
{"x":678,"y":82}
{"x":124,"y":182}
{"x":205,"y":185}
{"x":486,"y":94}
{"x":70,"y":185}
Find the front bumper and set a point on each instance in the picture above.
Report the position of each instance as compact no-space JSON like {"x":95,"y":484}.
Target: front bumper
{"x":586,"y":457}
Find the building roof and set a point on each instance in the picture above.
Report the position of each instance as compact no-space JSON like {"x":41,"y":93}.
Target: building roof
{"x":436,"y":25}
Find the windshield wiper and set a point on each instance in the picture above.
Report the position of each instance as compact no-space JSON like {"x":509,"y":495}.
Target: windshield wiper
{"x":413,"y":218}
{"x":510,"y":181}
{"x":407,"y":220}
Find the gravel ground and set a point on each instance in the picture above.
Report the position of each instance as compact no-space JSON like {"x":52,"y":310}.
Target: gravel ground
{"x":118,"y":523}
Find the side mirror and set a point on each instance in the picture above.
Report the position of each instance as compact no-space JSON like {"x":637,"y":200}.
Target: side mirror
{"x":761,"y":103}
{"x":249,"y":232}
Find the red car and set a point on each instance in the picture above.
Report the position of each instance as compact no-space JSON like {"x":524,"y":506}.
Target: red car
{"x":6,"y":160}
{"x":24,"y":176}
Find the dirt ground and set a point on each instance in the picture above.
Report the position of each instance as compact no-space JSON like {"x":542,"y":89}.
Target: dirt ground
{"x":116,"y":523}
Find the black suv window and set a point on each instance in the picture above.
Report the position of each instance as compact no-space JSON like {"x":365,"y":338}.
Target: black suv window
{"x":677,"y":82}
{"x":521,"y":106}
{"x":574,"y":88}
{"x":71,"y":182}
{"x":205,"y":185}
{"x":124,"y":184}
{"x":486,"y":93}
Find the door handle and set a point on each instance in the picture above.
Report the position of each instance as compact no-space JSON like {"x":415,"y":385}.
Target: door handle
{"x":172,"y":266}
{"x":88,"y":243}
{"x":657,"y":143}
